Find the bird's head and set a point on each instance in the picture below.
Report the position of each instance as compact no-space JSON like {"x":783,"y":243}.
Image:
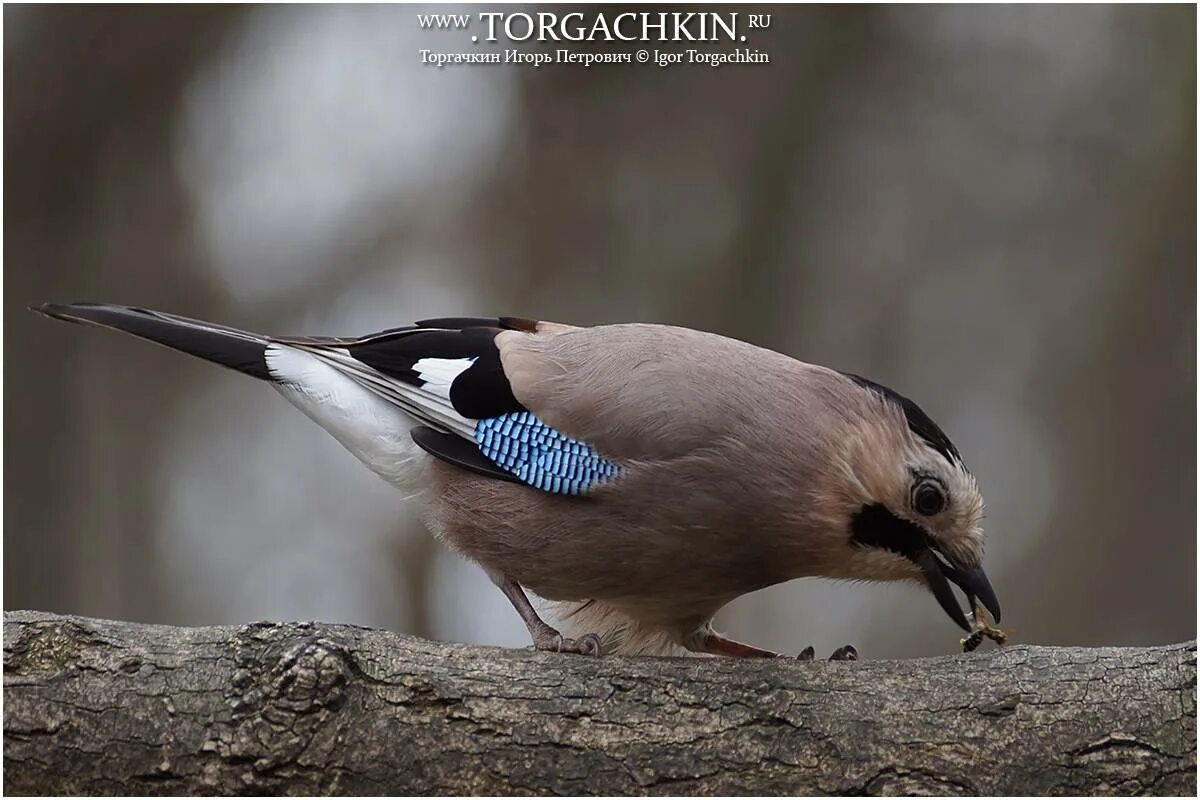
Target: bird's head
{"x":910,"y":509}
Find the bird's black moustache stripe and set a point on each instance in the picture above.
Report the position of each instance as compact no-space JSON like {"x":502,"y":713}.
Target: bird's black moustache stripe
{"x":876,"y":526}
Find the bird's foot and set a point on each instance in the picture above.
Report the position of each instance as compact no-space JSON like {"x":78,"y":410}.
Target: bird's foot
{"x":544,"y":637}
{"x":844,"y":653}
{"x":555,"y":642}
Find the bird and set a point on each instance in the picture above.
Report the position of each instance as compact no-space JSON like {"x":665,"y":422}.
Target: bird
{"x":638,"y":476}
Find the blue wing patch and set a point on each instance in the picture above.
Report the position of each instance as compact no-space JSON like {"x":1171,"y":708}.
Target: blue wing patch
{"x":541,"y":456}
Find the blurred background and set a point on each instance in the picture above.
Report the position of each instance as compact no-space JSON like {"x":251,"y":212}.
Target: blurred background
{"x":990,"y":209}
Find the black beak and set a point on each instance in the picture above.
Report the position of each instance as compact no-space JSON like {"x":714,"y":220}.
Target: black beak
{"x":973,"y":582}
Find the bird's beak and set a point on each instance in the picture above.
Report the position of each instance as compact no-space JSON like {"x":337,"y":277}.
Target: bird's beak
{"x":973,"y":582}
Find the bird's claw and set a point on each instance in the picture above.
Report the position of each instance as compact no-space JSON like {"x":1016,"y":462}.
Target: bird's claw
{"x":844,"y":653}
{"x":588,"y":645}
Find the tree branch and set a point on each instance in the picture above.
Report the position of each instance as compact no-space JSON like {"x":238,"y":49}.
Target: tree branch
{"x":104,"y":707}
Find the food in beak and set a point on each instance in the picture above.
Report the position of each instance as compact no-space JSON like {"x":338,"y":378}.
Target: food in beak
{"x":981,"y":629}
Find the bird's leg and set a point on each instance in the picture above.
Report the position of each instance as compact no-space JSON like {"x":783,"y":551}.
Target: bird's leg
{"x":544,"y":637}
{"x":706,"y":640}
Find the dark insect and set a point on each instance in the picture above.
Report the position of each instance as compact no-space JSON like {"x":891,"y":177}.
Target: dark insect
{"x":981,"y":629}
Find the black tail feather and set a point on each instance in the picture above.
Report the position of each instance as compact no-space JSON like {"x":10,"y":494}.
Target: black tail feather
{"x":228,"y":347}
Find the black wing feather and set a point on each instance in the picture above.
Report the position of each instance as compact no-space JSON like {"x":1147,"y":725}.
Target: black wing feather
{"x":481,"y":391}
{"x":459,"y":452}
{"x":503,"y":323}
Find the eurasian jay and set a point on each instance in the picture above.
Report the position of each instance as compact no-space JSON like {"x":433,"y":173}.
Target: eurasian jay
{"x":644,"y":475}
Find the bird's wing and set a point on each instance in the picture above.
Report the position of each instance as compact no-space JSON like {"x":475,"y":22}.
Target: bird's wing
{"x":447,"y":374}
{"x":441,"y":371}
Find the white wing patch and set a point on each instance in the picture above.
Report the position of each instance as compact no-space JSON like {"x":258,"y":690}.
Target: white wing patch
{"x":439,"y":373}
{"x":375,"y":430}
{"x":425,"y":406}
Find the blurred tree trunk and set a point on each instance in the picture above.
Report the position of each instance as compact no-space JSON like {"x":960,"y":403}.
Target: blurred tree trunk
{"x":1136,"y":376}
{"x":94,"y":211}
{"x":301,"y":708}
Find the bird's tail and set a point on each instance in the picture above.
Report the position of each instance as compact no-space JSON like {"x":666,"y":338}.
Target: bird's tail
{"x":229,"y":347}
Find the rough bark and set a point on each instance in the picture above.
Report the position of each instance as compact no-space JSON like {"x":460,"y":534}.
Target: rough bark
{"x":105,"y":707}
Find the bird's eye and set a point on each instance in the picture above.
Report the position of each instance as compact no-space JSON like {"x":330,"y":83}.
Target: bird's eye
{"x":928,"y":499}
